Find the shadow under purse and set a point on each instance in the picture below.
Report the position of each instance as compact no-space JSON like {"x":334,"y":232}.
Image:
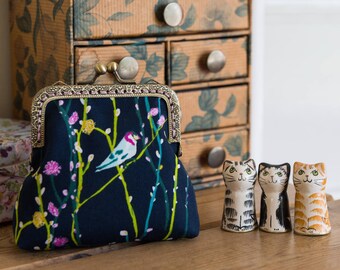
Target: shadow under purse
{"x":105,"y":169}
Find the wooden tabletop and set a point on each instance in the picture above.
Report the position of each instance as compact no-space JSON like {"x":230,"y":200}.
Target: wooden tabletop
{"x":213,"y":249}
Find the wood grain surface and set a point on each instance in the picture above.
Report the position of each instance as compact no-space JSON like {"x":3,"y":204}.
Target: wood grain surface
{"x":217,"y":249}
{"x":210,"y":206}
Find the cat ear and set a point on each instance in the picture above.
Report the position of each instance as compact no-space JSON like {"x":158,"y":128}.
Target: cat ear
{"x":262,"y":166}
{"x":321,"y":167}
{"x":297,"y":166}
{"x":227,"y":164}
{"x":251,"y":163}
{"x":286,"y":167}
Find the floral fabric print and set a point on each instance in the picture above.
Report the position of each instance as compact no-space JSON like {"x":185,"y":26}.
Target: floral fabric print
{"x":38,"y":219}
{"x":73,"y":118}
{"x":52,"y":168}
{"x":88,"y":126}
{"x":9,"y":188}
{"x":15,"y":151}
{"x":60,"y":241}
{"x":15,"y":144}
{"x":52,"y":209}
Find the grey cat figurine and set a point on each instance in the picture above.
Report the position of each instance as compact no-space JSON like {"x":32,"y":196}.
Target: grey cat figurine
{"x":239,"y":206}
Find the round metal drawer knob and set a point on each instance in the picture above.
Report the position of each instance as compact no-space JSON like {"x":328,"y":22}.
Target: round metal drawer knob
{"x":173,"y":14}
{"x":216,"y":157}
{"x":128,"y":68}
{"x":216,"y":61}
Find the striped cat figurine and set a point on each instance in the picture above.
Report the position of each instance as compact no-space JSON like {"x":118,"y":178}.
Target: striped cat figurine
{"x":239,"y":206}
{"x":275,"y":216}
{"x":311,"y":212}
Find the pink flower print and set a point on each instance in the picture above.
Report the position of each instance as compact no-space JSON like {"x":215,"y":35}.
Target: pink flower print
{"x":71,"y":165}
{"x":52,"y":209}
{"x":52,"y":168}
{"x":73,"y":118}
{"x":161,"y":120}
{"x":60,"y":241}
{"x":153,"y":112}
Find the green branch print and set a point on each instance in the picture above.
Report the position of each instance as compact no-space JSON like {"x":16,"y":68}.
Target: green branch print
{"x":39,"y":218}
{"x":174,"y":200}
{"x":154,"y":169}
{"x":152,"y":112}
{"x":128,"y":201}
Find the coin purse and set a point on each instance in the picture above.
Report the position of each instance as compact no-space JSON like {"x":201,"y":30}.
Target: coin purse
{"x":104,"y":169}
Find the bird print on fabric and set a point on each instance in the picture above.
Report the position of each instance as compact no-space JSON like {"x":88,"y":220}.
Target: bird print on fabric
{"x":125,"y":150}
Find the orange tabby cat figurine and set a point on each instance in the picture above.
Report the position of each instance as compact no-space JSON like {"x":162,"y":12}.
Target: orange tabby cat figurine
{"x":311,"y":212}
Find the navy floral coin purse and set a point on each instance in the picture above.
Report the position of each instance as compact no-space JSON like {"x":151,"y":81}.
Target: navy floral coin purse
{"x":105,"y":169}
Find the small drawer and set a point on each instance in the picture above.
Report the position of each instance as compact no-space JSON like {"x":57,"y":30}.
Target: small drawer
{"x":199,"y":147}
{"x":214,"y":108}
{"x":111,"y":19}
{"x":207,"y":60}
{"x":150,"y":59}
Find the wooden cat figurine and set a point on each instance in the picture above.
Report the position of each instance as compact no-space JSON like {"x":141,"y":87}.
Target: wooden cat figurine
{"x":275,"y":216}
{"x":239,"y":206}
{"x":311,"y":212}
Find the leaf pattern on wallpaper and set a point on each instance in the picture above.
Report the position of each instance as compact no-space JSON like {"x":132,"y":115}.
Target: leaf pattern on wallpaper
{"x":119,"y":16}
{"x":179,"y":62}
{"x":84,"y":18}
{"x":127,"y":2}
{"x":137,"y":51}
{"x":234,"y":145}
{"x":57,"y":7}
{"x":36,"y":26}
{"x":242,"y":11}
{"x":207,"y":101}
{"x":154,"y":64}
{"x":24,"y":22}
{"x":20,"y":81}
{"x":31,"y":70}
{"x":86,"y":62}
{"x":231,"y":103}
{"x":189,"y":18}
{"x":215,"y":15}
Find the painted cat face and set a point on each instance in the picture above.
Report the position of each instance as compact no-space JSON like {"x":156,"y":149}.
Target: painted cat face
{"x":309,"y":177}
{"x":274,"y":178}
{"x":239,"y":175}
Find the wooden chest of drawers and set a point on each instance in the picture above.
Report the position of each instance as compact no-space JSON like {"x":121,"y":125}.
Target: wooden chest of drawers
{"x":172,"y":44}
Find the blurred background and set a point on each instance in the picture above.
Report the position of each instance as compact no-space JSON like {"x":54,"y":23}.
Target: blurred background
{"x":295,"y":82}
{"x":301,"y":91}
